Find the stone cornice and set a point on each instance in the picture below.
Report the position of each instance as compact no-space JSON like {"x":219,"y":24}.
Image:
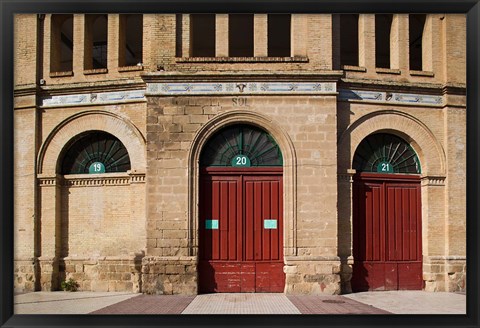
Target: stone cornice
{"x":25,"y":90}
{"x":241,"y":76}
{"x":233,"y":60}
{"x":392,"y":86}
{"x":92,"y":87}
{"x":455,"y":89}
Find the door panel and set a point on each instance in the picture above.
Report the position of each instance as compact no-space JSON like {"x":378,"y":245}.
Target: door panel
{"x":242,"y":255}
{"x":387,"y":234}
{"x":262,"y":202}
{"x":221,"y":200}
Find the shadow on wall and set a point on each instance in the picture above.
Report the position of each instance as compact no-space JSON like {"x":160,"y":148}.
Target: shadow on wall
{"x":344,"y":192}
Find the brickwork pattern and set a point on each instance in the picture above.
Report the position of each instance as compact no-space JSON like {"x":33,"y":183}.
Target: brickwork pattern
{"x":162,"y":132}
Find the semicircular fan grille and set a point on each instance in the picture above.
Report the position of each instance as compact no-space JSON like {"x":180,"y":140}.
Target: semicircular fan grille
{"x":95,"y":147}
{"x":254,"y":143}
{"x":386,"y":153}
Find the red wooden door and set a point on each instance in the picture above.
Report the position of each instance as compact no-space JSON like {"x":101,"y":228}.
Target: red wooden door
{"x":387,"y":233}
{"x":242,"y":253}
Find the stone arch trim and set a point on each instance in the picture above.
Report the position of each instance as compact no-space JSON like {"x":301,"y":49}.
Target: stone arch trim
{"x":124,"y":130}
{"x":422,"y":139}
{"x":289,"y":172}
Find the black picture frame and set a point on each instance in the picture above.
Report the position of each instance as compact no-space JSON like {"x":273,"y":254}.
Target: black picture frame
{"x":8,"y":8}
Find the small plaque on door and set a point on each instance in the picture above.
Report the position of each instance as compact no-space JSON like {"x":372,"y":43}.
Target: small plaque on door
{"x":211,"y":224}
{"x":270,"y":224}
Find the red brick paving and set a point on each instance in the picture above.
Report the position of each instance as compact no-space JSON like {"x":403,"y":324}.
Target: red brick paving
{"x":149,"y":304}
{"x":310,"y":304}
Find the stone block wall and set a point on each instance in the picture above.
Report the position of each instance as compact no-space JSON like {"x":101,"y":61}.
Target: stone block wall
{"x":103,"y":274}
{"x":24,"y":275}
{"x":310,"y":122}
{"x":169,"y":275}
{"x":307,"y":275}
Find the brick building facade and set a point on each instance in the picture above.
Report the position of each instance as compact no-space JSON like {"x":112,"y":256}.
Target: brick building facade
{"x":114,"y":187}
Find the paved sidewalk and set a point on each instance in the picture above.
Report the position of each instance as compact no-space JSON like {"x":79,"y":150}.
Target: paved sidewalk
{"x":66,"y":302}
{"x":241,"y":304}
{"x":414,"y":302}
{"x":395,"y":302}
{"x":149,"y":304}
{"x":332,"y":304}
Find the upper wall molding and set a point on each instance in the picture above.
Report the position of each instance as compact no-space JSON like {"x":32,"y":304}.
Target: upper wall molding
{"x":94,"y":98}
{"x":390,"y":97}
{"x":241,"y":87}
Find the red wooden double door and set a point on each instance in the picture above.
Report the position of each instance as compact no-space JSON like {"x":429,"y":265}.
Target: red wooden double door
{"x":241,"y":231}
{"x":387,"y":232}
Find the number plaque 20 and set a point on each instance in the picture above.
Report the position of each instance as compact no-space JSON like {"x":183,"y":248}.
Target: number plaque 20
{"x":241,"y":161}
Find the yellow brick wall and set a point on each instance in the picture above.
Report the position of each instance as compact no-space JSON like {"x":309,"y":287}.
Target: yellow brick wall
{"x":25,"y":49}
{"x":112,"y":216}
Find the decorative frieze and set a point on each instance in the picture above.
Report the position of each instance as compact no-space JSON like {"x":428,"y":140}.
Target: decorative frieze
{"x":86,"y":180}
{"x":433,"y":181}
{"x":99,"y":180}
{"x":253,"y":88}
{"x":94,"y":98}
{"x":47,"y":182}
{"x":389,"y":97}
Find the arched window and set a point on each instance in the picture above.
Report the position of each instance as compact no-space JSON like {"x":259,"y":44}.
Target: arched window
{"x":385,"y":153}
{"x":95,"y":152}
{"x":241,"y":146}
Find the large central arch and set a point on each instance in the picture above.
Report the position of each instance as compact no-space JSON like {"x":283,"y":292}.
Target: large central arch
{"x":289,"y":171}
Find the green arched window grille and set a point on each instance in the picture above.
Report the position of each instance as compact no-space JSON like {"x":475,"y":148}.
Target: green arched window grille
{"x":95,"y":152}
{"x":241,"y":146}
{"x":386,"y":153}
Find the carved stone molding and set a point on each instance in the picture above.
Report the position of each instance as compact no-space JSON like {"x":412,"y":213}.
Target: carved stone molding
{"x":92,"y":180}
{"x":433,"y":181}
{"x":346,"y":176}
{"x":241,"y":87}
{"x":390,"y":97}
{"x":93,"y":98}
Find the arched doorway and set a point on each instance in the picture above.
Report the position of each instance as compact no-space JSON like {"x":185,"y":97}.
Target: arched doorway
{"x":241,"y":212}
{"x":387,"y":231}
